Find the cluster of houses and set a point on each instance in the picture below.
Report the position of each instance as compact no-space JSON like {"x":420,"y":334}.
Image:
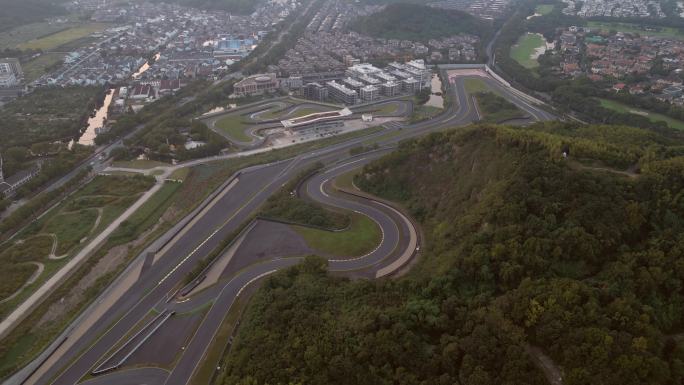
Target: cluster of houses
{"x":638,"y":64}
{"x":614,"y":8}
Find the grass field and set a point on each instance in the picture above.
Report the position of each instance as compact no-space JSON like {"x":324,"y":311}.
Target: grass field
{"x":652,"y":116}
{"x":33,"y":31}
{"x":421,"y":113}
{"x":41,"y":65}
{"x":473,"y":86}
{"x":63,"y":37}
{"x":117,"y":193}
{"x":496,"y":109}
{"x":387,"y":109}
{"x":71,"y":222}
{"x":70,"y":228}
{"x":523,"y":50}
{"x":543,"y":9}
{"x":139,"y":164}
{"x":673,"y":33}
{"x":362,"y":236}
{"x":235,"y":127}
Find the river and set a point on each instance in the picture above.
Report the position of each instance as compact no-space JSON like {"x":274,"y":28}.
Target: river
{"x":100,"y":117}
{"x":436,"y":98}
{"x":96,"y":121}
{"x":145,"y":67}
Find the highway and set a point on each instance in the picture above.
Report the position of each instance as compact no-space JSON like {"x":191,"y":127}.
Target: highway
{"x":157,"y":283}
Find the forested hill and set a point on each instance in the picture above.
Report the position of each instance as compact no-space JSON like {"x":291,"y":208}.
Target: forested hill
{"x":419,"y":23}
{"x":582,"y":257}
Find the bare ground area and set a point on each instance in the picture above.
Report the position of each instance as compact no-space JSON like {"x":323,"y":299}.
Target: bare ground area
{"x":551,"y":371}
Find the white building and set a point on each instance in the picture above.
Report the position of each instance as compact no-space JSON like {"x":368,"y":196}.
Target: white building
{"x":370,"y":93}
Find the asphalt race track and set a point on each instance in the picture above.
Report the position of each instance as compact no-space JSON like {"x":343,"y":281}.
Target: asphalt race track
{"x":158,"y":283}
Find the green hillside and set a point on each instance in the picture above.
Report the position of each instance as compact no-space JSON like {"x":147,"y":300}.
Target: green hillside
{"x":581,"y":257}
{"x":419,"y":23}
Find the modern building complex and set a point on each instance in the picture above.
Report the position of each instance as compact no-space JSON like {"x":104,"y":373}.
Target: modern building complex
{"x":340,"y":93}
{"x":365,"y":83}
{"x":316,"y":91}
{"x":256,"y":85}
{"x":10,"y":72}
{"x":370,"y":93}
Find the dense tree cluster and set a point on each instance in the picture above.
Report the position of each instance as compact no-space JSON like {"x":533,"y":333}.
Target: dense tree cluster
{"x":47,"y":114}
{"x":408,"y":21}
{"x":581,"y":255}
{"x":286,"y":205}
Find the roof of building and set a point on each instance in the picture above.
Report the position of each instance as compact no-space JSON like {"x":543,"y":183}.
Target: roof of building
{"x":316,"y":117}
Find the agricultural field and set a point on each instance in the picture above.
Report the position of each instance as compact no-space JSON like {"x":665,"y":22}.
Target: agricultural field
{"x":60,"y":38}
{"x":41,"y":65}
{"x":652,"y":116}
{"x":524,"y":50}
{"x":22,"y":34}
{"x":47,"y":244}
{"x":543,"y":9}
{"x":668,"y":32}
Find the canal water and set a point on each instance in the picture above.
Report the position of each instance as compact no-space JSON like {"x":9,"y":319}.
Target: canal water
{"x":96,"y":121}
{"x":436,"y":100}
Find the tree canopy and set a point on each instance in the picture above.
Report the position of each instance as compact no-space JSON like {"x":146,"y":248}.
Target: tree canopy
{"x":582,"y":256}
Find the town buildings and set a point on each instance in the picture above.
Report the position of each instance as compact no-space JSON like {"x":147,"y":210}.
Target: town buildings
{"x":10,"y":72}
{"x":256,"y":85}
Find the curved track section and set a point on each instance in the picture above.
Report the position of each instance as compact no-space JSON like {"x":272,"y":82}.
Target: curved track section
{"x":154,"y":286}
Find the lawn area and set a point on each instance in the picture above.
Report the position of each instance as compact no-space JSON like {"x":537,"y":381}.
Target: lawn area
{"x":57,"y":39}
{"x":139,"y":164}
{"x":71,"y":228}
{"x":362,"y":236}
{"x":147,"y":215}
{"x":115,"y":193}
{"x":71,"y":222}
{"x":235,"y":127}
{"x":346,"y":180}
{"x":543,"y":9}
{"x":496,"y":109}
{"x":41,"y":65}
{"x":652,"y":116}
{"x":473,"y":86}
{"x":523,"y":50}
{"x":180,"y":174}
{"x":421,"y":113}
{"x":387,"y":109}
{"x":673,"y":33}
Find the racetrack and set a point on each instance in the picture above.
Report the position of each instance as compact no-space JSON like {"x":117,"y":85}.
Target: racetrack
{"x":158,"y":283}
